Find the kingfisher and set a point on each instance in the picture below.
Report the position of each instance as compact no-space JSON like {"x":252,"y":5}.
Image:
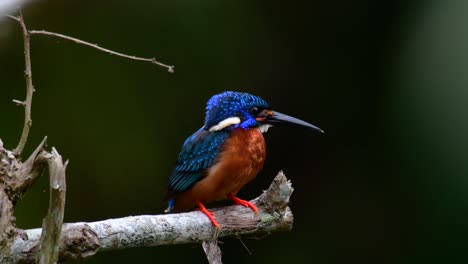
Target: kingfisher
{"x":226,"y":153}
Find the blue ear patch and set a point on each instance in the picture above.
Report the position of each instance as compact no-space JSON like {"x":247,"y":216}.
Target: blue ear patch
{"x":250,"y":122}
{"x":198,"y":153}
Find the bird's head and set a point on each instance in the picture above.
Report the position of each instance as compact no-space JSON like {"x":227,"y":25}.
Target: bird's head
{"x":230,"y":110}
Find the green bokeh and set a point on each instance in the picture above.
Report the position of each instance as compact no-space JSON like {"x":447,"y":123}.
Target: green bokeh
{"x":387,"y":81}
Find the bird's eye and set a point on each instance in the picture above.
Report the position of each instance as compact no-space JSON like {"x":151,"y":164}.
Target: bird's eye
{"x":255,"y":111}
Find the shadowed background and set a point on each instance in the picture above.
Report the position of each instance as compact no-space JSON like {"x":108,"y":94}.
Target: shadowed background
{"x":387,"y":81}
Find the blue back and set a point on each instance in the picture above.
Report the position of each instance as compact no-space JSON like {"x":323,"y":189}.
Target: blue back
{"x":198,"y":153}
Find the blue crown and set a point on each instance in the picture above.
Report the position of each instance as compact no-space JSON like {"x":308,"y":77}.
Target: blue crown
{"x":229,"y":104}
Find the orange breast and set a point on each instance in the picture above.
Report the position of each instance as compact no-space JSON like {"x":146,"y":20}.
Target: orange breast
{"x":241,"y":159}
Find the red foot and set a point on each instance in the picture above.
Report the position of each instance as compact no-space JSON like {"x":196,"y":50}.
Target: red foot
{"x":242,"y":202}
{"x":209,"y":215}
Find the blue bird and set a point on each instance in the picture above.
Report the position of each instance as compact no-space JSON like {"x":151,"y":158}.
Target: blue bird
{"x":225,"y":154}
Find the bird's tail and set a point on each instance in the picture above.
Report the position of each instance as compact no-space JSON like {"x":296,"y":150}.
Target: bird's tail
{"x":170,"y":205}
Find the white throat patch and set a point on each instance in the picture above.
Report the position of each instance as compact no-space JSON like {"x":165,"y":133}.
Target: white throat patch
{"x":225,"y":123}
{"x":264,"y":128}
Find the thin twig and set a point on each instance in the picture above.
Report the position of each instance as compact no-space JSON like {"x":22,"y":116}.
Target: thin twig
{"x":18,"y":102}
{"x":29,"y":85}
{"x":13,"y":17}
{"x":245,"y":246}
{"x":170,"y":68}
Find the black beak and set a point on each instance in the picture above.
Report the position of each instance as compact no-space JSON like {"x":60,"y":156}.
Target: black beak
{"x":282,"y":119}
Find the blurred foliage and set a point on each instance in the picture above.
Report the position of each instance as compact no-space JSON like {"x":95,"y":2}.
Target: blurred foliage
{"x":386,"y":80}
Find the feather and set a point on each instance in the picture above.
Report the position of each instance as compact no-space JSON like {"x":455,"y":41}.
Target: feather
{"x":198,"y":153}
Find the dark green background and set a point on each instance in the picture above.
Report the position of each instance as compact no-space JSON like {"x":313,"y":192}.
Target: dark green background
{"x":386,"y":80}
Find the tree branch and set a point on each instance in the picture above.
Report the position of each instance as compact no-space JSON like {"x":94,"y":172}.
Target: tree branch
{"x":27,"y":103}
{"x":212,"y":251}
{"x":28,"y":172}
{"x":81,"y":240}
{"x":52,"y":225}
{"x":29,"y":85}
{"x":170,"y":68}
{"x":7,"y":229}
{"x":15,"y":178}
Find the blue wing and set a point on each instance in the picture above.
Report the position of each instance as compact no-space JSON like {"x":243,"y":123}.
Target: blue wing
{"x":198,"y":153}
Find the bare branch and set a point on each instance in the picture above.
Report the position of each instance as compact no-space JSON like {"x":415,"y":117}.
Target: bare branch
{"x":29,"y":85}
{"x":170,"y":68}
{"x":29,"y":171}
{"x":13,"y":17}
{"x":81,"y":240}
{"x":15,"y":177}
{"x":18,"y":102}
{"x":28,"y":72}
{"x":212,"y":252}
{"x":52,"y":224}
{"x":7,"y":229}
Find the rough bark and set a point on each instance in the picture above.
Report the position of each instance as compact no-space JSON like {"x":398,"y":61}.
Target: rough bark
{"x":52,"y":224}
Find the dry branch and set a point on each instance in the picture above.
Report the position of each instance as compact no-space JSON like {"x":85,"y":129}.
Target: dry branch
{"x":170,"y":68}
{"x":15,"y":178}
{"x":28,"y":33}
{"x":81,"y":240}
{"x":52,"y":225}
{"x":29,"y":85}
{"x":212,"y":251}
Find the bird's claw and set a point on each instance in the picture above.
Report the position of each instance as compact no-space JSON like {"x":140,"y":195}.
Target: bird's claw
{"x":242,"y":202}
{"x":209,"y":214}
